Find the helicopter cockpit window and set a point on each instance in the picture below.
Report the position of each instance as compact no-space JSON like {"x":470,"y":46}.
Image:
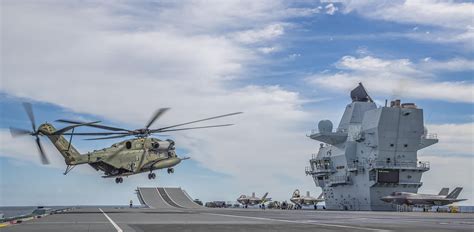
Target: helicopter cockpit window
{"x":128,"y":144}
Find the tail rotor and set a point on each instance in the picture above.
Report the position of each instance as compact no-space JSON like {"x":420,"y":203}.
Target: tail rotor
{"x":17,"y":132}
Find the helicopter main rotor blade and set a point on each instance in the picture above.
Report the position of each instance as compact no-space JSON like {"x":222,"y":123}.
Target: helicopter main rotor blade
{"x":97,"y":133}
{"x":29,"y":112}
{"x":61,"y":131}
{"x":44,"y":159}
{"x":192,"y":128}
{"x":201,"y":120}
{"x":110,"y":137}
{"x":93,"y":125}
{"x":156,"y":115}
{"x":15,"y":132}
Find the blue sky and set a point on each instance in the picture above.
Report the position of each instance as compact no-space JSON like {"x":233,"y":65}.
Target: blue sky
{"x":287,"y":65}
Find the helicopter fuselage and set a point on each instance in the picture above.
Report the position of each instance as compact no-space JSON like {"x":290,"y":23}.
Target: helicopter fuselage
{"x":132,"y":156}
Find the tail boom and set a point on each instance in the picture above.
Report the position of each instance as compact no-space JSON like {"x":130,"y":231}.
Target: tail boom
{"x":69,"y":152}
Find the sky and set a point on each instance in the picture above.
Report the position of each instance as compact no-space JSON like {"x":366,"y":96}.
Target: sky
{"x":285,"y":64}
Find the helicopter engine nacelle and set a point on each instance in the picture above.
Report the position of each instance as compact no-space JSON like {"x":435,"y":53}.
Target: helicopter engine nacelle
{"x":171,"y":146}
{"x":162,"y":145}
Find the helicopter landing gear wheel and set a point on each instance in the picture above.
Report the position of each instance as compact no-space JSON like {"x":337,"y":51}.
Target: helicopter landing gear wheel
{"x":118,"y":180}
{"x":170,"y":170}
{"x":151,"y":176}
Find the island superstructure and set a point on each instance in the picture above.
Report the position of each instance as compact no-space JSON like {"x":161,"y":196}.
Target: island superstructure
{"x":371,"y":154}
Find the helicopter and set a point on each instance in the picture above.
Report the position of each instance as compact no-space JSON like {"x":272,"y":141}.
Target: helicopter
{"x":129,"y":157}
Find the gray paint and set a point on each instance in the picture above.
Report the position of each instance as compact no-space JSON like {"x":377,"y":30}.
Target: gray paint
{"x":369,"y":139}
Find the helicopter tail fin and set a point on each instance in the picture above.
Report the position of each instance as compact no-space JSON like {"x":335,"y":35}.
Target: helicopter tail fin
{"x":69,"y":152}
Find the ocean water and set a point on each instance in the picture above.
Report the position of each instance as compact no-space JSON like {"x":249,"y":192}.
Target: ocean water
{"x":15,"y":211}
{"x":12,"y":211}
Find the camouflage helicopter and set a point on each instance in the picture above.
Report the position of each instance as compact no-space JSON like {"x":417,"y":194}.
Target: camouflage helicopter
{"x":129,"y":157}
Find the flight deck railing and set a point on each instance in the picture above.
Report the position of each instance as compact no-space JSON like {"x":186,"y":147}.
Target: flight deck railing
{"x":319,"y":171}
{"x":420,"y":165}
{"x":319,"y":166}
{"x":338,"y":180}
{"x":355,"y":167}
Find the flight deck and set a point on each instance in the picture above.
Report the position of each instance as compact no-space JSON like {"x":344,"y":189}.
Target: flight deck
{"x":145,"y":219}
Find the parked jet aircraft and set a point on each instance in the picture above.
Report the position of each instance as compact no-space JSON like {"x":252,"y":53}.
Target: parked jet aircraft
{"x":406,"y":198}
{"x":305,"y":200}
{"x":253,"y":200}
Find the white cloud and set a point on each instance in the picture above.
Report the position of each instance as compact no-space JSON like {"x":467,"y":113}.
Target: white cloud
{"x":331,"y":9}
{"x":268,"y":50}
{"x":446,"y":14}
{"x":453,"y":19}
{"x":123,"y":62}
{"x":454,"y":140}
{"x":293,"y":56}
{"x":456,"y":64}
{"x":270,"y":32}
{"x":399,"y":77}
{"x":200,"y":16}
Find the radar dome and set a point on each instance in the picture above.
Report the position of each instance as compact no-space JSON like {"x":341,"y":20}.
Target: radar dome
{"x":325,"y":126}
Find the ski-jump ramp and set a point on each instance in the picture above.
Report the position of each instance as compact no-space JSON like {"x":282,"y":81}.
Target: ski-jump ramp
{"x":165,"y":198}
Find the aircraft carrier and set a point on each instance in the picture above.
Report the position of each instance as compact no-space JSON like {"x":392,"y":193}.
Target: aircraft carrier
{"x":371,"y":154}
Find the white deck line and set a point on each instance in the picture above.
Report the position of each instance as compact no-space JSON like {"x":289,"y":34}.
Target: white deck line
{"x":111,"y":221}
{"x":302,"y":222}
{"x":164,"y":189}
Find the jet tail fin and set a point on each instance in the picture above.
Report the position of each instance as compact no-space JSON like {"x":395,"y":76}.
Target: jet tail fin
{"x":455,"y":193}
{"x":264,"y":196}
{"x":296,"y":193}
{"x":444,"y":192}
{"x":321,"y":196}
